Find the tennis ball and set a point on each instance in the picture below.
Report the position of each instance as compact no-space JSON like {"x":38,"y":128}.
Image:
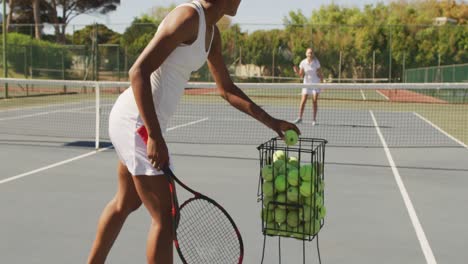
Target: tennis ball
{"x":312,"y":229}
{"x":322,"y":211}
{"x":306,"y":172}
{"x":283,"y":230}
{"x":293,"y":194}
{"x":306,"y":188}
{"x":293,"y":218}
{"x":279,"y":167}
{"x":299,"y":232}
{"x":268,"y":189}
{"x":280,"y":183}
{"x":321,"y":186}
{"x":280,"y":215}
{"x":294,"y":162}
{"x":267,"y":202}
{"x":290,"y":137}
{"x":318,"y":200}
{"x":282,"y":199}
{"x":268,"y":215}
{"x":279,"y":155}
{"x":271,"y":229}
{"x":267,"y":172}
{"x":293,"y":177}
{"x":306,"y":213}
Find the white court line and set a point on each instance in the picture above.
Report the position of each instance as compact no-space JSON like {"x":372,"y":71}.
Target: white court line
{"x":426,"y":248}
{"x":53,"y":165}
{"x":187,"y":124}
{"x":441,"y":130}
{"x":386,"y":98}
{"x":80,"y":157}
{"x":363,"y":96}
{"x":44,"y":113}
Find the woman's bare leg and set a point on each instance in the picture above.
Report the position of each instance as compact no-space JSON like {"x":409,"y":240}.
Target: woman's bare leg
{"x":113,"y":216}
{"x":315,"y":105}
{"x":154,"y":192}
{"x":301,"y":108}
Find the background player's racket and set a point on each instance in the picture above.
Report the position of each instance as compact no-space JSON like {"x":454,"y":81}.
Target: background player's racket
{"x":204,"y":232}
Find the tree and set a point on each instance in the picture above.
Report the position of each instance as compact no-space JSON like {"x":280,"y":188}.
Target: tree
{"x":63,"y":11}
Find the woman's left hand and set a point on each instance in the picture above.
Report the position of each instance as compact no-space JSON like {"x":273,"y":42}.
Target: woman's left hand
{"x":279,"y":126}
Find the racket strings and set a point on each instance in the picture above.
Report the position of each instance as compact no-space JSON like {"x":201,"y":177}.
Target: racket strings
{"x":206,"y":235}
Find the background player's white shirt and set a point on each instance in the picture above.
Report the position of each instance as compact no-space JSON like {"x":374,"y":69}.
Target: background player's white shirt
{"x":310,"y":70}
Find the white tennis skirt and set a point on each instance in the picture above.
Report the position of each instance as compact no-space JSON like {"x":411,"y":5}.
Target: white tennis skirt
{"x":309,"y":91}
{"x":128,"y":144}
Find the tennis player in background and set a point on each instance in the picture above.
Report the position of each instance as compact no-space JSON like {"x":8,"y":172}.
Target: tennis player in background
{"x":185,"y":39}
{"x":309,"y":69}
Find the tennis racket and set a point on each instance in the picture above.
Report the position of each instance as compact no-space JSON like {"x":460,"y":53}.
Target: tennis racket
{"x":204,"y":232}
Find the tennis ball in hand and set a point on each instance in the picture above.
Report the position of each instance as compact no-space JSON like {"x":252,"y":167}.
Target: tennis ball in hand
{"x":293,"y":177}
{"x":279,"y":155}
{"x":293,"y":218}
{"x":290,"y":137}
{"x":267,"y":172}
{"x":280,"y":215}
{"x":268,"y":189}
{"x":280,"y":183}
{"x":293,"y":194}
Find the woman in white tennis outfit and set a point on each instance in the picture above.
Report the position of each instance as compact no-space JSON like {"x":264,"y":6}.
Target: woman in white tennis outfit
{"x":183,"y":42}
{"x":309,"y":68}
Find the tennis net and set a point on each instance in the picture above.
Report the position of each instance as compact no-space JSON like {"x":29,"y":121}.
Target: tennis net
{"x":349,"y":114}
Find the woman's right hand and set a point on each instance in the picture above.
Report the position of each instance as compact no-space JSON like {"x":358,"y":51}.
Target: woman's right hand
{"x":158,"y":154}
{"x":296,"y":70}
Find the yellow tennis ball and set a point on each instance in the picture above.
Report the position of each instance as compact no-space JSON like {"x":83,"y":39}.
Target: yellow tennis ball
{"x":268,"y":189}
{"x":283,"y":230}
{"x":312,"y":227}
{"x":267,"y":202}
{"x":271,"y":229}
{"x":267,"y":172}
{"x":280,"y":215}
{"x":307,"y":172}
{"x":279,"y":155}
{"x":294,"y":162}
{"x":281,"y":197}
{"x":318,"y":200}
{"x":306,"y":213}
{"x":268,"y":215}
{"x":279,"y":167}
{"x":293,"y":194}
{"x":322,"y":212}
{"x":293,"y":218}
{"x":290,"y":137}
{"x":280,"y":183}
{"x":293,"y":177}
{"x":299,"y":232}
{"x":306,"y":188}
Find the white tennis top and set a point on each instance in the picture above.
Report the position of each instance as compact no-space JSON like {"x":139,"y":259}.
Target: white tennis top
{"x":310,"y":70}
{"x":169,"y":80}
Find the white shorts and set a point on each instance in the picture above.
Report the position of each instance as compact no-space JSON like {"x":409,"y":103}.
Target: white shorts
{"x":128,"y":144}
{"x":309,"y":91}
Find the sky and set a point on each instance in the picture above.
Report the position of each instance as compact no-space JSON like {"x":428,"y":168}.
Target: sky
{"x":251,"y":15}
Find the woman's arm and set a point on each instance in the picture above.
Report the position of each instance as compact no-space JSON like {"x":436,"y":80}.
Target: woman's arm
{"x":231,"y":93}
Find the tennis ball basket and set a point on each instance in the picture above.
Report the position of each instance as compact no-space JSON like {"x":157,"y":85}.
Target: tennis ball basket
{"x":291,"y":190}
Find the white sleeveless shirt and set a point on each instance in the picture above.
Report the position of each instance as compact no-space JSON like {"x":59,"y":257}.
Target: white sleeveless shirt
{"x":169,"y":80}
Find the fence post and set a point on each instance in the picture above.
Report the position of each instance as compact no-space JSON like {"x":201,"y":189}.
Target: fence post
{"x":98,"y":114}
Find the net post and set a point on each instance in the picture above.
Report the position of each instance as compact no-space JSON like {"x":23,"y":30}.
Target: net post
{"x":98,"y":114}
